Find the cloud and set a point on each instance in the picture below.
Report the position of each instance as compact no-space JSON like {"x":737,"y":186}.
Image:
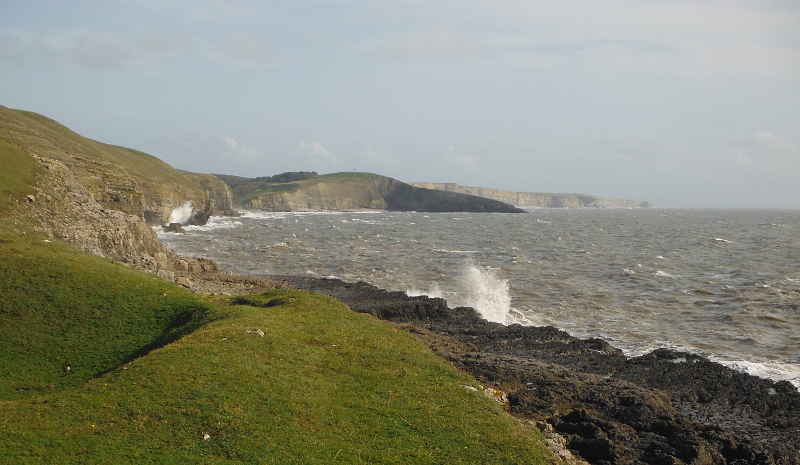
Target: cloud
{"x":703,"y":38}
{"x":436,"y":42}
{"x":236,"y":151}
{"x":771,"y":142}
{"x":245,"y":48}
{"x":316,"y":150}
{"x":766,"y":153}
{"x":93,"y":50}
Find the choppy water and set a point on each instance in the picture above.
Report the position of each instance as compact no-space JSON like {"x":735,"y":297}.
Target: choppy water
{"x":722,"y":283}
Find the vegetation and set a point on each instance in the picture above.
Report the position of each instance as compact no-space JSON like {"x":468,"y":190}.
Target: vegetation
{"x":246,"y":187}
{"x":323,"y":385}
{"x":103,"y":364}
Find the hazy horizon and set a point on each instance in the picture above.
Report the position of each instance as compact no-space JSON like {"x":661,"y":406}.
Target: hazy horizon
{"x":681,"y":104}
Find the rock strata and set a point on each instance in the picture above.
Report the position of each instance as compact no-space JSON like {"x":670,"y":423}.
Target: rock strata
{"x":666,"y":407}
{"x":65,"y":209}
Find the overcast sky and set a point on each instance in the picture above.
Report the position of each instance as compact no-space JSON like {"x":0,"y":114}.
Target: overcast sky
{"x":681,"y":103}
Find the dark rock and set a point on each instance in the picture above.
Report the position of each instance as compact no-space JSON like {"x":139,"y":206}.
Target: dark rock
{"x":174,"y":227}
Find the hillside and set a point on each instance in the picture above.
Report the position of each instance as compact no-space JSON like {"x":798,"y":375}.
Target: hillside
{"x":533,"y":199}
{"x":100,"y":363}
{"x":117,"y":178}
{"x":352,"y":191}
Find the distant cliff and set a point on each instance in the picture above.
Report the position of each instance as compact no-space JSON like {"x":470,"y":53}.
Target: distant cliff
{"x":531,"y":199}
{"x":355,"y":191}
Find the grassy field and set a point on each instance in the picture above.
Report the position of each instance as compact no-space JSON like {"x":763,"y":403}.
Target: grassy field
{"x":103,"y":364}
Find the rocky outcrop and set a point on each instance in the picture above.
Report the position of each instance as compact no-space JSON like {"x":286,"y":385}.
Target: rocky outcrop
{"x":530,"y":199}
{"x":117,"y":178}
{"x":218,"y":192}
{"x":63,"y":208}
{"x":342,"y":192}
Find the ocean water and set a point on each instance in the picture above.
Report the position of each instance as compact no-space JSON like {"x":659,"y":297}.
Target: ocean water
{"x":721,"y":283}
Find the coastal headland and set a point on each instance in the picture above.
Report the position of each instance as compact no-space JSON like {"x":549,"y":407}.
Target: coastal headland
{"x":665,"y":407}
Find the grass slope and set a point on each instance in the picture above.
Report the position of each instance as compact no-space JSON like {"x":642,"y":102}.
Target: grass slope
{"x":324,"y":385}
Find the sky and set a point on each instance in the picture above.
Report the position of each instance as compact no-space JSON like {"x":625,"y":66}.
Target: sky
{"x":680,"y":103}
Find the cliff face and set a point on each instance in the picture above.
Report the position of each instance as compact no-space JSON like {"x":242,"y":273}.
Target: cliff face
{"x":530,"y":199}
{"x":358,"y":194}
{"x":116,"y":177}
{"x":63,"y":208}
{"x":104,"y":199}
{"x":355,"y":191}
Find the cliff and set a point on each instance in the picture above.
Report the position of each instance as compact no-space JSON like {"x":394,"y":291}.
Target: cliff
{"x":531,"y":199}
{"x":117,"y":178}
{"x":355,"y":191}
{"x":102,"y":198}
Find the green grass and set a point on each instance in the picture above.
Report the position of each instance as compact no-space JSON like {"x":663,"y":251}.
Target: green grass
{"x":154,"y":368}
{"x":63,"y":308}
{"x":16,"y":177}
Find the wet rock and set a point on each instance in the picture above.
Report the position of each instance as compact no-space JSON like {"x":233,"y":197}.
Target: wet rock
{"x":174,"y":227}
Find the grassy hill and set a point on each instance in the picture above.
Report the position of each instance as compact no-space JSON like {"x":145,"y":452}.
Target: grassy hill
{"x":103,"y":364}
{"x":119,"y":178}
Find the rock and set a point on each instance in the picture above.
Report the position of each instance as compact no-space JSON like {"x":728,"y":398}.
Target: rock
{"x":174,"y":227}
{"x":31,"y":198}
{"x":255,"y":331}
{"x":166,"y":275}
{"x":185,"y":282}
{"x":495,"y":394}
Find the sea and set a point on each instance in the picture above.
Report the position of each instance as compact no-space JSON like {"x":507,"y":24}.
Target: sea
{"x":720,"y":283}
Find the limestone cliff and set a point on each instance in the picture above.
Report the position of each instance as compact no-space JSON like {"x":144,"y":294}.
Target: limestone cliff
{"x":531,"y":199}
{"x":116,"y":177}
{"x":104,"y":199}
{"x":355,"y":191}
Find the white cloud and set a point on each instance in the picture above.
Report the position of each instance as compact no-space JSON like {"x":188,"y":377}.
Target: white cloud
{"x":701,"y":38}
{"x":771,"y":142}
{"x":765,"y":153}
{"x":234,"y":150}
{"x":317,"y":151}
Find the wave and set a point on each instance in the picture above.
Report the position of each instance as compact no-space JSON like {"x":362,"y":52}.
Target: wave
{"x":775,"y":371}
{"x":482,"y":290}
{"x":664,"y":274}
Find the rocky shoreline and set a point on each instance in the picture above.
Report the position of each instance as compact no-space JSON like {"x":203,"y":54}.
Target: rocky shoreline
{"x":665,"y":407}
